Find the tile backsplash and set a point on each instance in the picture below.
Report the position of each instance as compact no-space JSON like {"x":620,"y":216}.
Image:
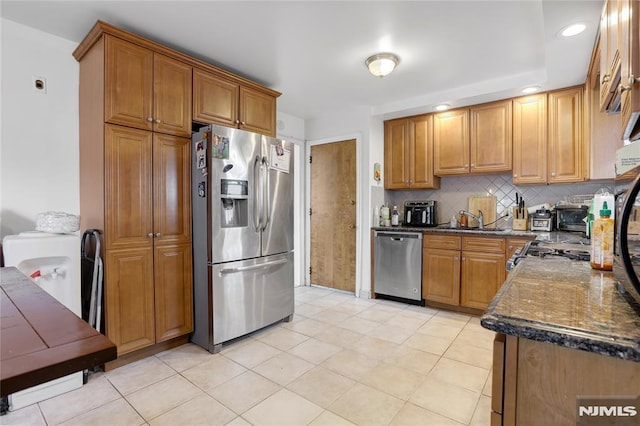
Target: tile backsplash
{"x":454,"y":192}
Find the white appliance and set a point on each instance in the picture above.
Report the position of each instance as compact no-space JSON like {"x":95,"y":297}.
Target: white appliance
{"x":52,"y":261}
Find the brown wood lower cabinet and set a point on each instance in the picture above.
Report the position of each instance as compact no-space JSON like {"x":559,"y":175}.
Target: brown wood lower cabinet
{"x":537,"y":383}
{"x":462,"y":271}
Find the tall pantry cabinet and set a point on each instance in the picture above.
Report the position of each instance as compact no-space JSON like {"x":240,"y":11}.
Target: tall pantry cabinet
{"x":135,"y":154}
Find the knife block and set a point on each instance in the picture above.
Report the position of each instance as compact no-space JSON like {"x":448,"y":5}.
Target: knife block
{"x":520,"y":224}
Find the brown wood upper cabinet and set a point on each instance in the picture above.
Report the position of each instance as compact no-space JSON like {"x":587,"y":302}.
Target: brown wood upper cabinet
{"x":408,"y":153}
{"x":548,"y":137}
{"x":610,"y":58}
{"x":473,"y":140}
{"x":217,"y":100}
{"x":146,"y":90}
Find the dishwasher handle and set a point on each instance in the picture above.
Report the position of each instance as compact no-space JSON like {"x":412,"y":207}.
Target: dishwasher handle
{"x":399,"y":236}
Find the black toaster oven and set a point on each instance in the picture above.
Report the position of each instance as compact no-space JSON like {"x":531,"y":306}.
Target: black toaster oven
{"x":571,"y":217}
{"x":420,"y":213}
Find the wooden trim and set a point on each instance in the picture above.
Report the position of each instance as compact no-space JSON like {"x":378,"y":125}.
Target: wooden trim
{"x":497,"y":380}
{"x":510,"y":381}
{"x":102,"y":27}
{"x":461,"y":309}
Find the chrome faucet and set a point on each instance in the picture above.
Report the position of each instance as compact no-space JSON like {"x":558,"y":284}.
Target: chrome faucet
{"x":479,"y":218}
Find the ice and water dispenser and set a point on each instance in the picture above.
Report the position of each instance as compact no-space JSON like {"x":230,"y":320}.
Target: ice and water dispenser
{"x":234,"y":194}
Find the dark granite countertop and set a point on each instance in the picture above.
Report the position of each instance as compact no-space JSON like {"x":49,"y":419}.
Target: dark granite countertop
{"x":567,"y":303}
{"x":459,"y":231}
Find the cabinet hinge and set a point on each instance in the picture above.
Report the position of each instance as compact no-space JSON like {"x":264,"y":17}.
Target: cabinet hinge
{"x":310,"y":159}
{"x":309,"y":270}
{"x":310,"y":212}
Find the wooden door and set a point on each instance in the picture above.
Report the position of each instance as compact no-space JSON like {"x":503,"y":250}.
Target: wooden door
{"x":396,"y":155}
{"x":630,"y":68}
{"x":421,"y":153}
{"x":128,"y":82}
{"x":171,"y":189}
{"x":491,"y":137}
{"x":441,"y":276}
{"x":530,"y":139}
{"x":215,"y":100}
{"x":610,"y":60}
{"x":129,"y":298}
{"x":257,"y":112}
{"x":333,"y":215}
{"x":481,"y":276}
{"x":515,"y":244}
{"x":171,"y":96}
{"x":128,"y":187}
{"x":566,"y":136}
{"x":451,"y":142}
{"x":173,"y":291}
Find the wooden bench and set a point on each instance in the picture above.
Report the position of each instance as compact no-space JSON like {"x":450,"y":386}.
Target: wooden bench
{"x":41,"y":339}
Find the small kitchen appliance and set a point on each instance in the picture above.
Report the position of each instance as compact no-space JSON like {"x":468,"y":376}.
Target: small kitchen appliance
{"x":542,"y":220}
{"x":570,"y":217}
{"x":420,"y":213}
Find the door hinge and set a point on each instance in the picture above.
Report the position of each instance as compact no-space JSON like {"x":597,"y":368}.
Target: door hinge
{"x":310,"y":159}
{"x":309,"y":270}
{"x":310,"y":212}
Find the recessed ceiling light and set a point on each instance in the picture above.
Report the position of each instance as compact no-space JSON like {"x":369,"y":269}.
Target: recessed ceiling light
{"x":573,"y":29}
{"x":531,"y":89}
{"x":442,"y":107}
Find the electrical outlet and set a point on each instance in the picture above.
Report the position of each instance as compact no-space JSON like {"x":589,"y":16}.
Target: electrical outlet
{"x":39,"y":84}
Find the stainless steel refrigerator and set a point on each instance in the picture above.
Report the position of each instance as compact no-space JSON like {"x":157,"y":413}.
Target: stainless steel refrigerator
{"x":242,"y":202}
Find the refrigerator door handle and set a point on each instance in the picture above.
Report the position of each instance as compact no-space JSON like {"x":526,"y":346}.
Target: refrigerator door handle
{"x":257,"y":202}
{"x":266,"y":188}
{"x":253,"y":267}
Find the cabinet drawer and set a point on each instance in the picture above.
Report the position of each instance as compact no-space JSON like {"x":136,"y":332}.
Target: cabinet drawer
{"x":441,"y":241}
{"x":484,"y":244}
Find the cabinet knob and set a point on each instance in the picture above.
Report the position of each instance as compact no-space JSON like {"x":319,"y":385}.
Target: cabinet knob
{"x":605,"y":79}
{"x":150,"y":119}
{"x":158,"y":120}
{"x":352,"y":226}
{"x":473,"y":165}
{"x":553,"y":174}
{"x":237,"y":121}
{"x":466,"y":165}
{"x":158,"y":235}
{"x":515,"y":176}
{"x":150,"y":235}
{"x":243,"y":123}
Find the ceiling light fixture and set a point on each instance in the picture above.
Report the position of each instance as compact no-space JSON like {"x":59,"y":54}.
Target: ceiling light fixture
{"x":573,"y":29}
{"x":530,"y":90}
{"x":442,"y":107}
{"x":381,"y":64}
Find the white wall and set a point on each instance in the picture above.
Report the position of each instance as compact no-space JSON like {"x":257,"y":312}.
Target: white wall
{"x":39,"y":168}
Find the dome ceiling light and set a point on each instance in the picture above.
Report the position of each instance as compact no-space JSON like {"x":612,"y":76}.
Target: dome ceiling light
{"x":574,"y":29}
{"x":381,"y":64}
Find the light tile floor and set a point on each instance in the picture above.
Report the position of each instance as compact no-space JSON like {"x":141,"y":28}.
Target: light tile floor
{"x":341,"y":361}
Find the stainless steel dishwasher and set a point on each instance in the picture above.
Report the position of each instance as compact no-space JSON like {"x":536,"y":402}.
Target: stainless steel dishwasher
{"x":397,"y":266}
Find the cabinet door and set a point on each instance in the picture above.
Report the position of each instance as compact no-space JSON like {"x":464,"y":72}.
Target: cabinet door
{"x":566,"y":140}
{"x":215,"y":100}
{"x":257,"y":112}
{"x":491,"y":137}
{"x":128,"y":84}
{"x":396,"y":154}
{"x":451,"y":142}
{"x":482,"y":274}
{"x":172,"y":189}
{"x":173,"y":291}
{"x":421,"y":153}
{"x":128,"y":187}
{"x":441,"y":276}
{"x":172,"y":96}
{"x":609,"y":52}
{"x":129,"y":298}
{"x":530,"y":139}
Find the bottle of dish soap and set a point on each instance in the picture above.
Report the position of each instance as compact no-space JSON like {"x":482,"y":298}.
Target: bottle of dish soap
{"x":395,"y":217}
{"x":602,"y":240}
